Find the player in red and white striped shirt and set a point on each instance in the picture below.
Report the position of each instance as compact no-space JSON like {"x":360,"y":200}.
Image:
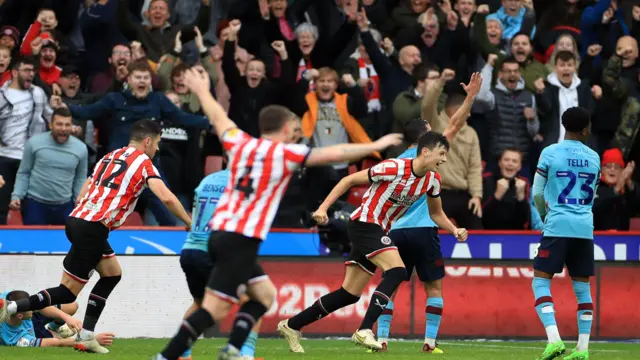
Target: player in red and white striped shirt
{"x":260,"y":172}
{"x":395,"y":185}
{"x":106,"y":199}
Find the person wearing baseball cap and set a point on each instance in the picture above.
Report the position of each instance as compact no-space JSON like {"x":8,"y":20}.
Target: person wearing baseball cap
{"x":618,"y":195}
{"x":9,"y":36}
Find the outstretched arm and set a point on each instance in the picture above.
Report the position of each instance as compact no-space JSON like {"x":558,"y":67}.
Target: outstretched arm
{"x":359,"y":178}
{"x":438,"y":216}
{"x":198,"y":82}
{"x":350,"y":152}
{"x":159,"y":189}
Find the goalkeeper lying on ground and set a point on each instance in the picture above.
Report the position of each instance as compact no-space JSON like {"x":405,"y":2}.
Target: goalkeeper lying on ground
{"x":51,"y":326}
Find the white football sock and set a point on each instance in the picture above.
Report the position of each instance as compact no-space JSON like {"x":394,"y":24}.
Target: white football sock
{"x":583,"y":342}
{"x":553,"y":334}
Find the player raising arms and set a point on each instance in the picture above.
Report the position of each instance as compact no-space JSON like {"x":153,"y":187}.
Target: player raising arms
{"x":107,"y":199}
{"x":415,"y":234}
{"x":563,"y":189}
{"x":260,"y":170}
{"x":395,"y":185}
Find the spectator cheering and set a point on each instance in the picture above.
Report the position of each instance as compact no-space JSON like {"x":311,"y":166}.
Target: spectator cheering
{"x":51,"y":174}
{"x":618,"y":195}
{"x":23,"y":113}
{"x":506,"y":195}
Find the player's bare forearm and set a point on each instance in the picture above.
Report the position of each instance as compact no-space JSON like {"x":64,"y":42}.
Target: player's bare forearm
{"x":217,"y":116}
{"x":175,"y":206}
{"x":443,"y":222}
{"x":438,"y":216}
{"x":53,"y":342}
{"x":340,"y":153}
{"x":359,"y":178}
{"x":162,"y":192}
{"x":83,"y":191}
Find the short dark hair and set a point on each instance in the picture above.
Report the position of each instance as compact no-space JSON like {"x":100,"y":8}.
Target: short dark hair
{"x":21,"y":60}
{"x":145,"y":128}
{"x":576,"y":119}
{"x":432,"y":139}
{"x":510,"y":149}
{"x":61,"y":112}
{"x":421,"y":72}
{"x":414,"y":129}
{"x":179,"y":69}
{"x":509,"y":60}
{"x":273,"y":117}
{"x":16,"y":295}
{"x":521,"y":34}
{"x":565,"y":56}
{"x":454,"y":100}
{"x":140,"y":65}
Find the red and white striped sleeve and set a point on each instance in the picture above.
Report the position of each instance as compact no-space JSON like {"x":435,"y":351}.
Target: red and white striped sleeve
{"x":233,"y":137}
{"x":384,"y":171}
{"x":434,"y":187}
{"x":149,"y":171}
{"x":296,"y":155}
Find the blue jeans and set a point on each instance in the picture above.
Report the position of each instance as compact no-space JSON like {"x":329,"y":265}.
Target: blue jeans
{"x":37,"y":213}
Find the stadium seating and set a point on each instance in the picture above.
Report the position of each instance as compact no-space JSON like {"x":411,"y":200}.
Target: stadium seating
{"x":14,"y":218}
{"x":355,"y":195}
{"x":134,"y":220}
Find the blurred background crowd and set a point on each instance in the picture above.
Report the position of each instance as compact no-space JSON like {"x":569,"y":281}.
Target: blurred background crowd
{"x":75,"y":75}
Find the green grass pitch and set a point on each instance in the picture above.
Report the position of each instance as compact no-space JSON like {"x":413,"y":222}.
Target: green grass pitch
{"x":330,"y":349}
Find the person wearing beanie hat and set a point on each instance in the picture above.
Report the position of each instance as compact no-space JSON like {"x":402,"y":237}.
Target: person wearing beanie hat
{"x":617,"y":195}
{"x":9,"y":36}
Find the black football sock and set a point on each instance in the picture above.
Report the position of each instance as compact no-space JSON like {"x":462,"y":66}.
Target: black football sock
{"x":188,"y":333}
{"x":247,"y":316}
{"x":381,"y":297}
{"x":322,"y":308}
{"x":45,"y":298}
{"x":97,"y":300}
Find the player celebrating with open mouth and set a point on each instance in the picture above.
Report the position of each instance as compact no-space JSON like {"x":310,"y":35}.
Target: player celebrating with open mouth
{"x":395,"y":185}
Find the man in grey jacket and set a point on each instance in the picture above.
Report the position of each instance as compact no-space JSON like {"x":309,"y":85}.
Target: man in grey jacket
{"x":24,"y":112}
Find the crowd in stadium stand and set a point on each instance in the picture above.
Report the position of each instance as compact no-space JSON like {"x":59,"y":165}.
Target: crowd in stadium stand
{"x":352,"y":70}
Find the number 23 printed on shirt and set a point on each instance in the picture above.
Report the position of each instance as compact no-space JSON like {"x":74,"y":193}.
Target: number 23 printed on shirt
{"x":586,"y":187}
